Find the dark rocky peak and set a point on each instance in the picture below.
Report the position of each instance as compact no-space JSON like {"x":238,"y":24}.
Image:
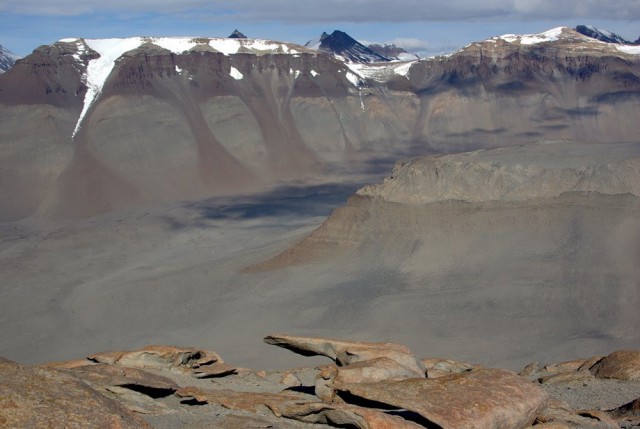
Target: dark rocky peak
{"x":7,"y":59}
{"x":393,"y":52}
{"x":603,"y":35}
{"x":237,"y":35}
{"x":340,"y":43}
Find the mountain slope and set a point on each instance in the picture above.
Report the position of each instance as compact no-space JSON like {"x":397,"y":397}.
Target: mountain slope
{"x":602,"y":35}
{"x":142,"y":121}
{"x":534,"y":245}
{"x":7,"y":59}
{"x":340,"y":43}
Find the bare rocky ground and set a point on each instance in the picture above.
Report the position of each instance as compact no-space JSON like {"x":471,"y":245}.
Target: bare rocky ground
{"x":361,"y":385}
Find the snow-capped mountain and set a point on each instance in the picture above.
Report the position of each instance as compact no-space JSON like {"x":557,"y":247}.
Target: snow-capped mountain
{"x":7,"y":59}
{"x":603,"y":35}
{"x":228,"y":115}
{"x":340,"y":43}
{"x":237,"y":35}
{"x":393,"y":52}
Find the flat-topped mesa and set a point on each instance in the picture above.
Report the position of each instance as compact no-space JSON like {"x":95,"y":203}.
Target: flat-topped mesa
{"x":543,"y":170}
{"x":347,"y":352}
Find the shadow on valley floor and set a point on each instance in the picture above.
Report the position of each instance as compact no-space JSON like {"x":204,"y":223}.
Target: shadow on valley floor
{"x":283,"y":203}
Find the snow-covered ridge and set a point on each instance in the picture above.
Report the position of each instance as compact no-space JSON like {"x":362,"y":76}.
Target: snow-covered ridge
{"x":99,"y":69}
{"x":532,"y":39}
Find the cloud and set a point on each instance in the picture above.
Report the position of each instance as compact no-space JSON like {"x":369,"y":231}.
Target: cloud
{"x":356,"y":11}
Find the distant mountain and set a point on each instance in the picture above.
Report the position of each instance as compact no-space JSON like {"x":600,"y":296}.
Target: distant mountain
{"x":604,"y":35}
{"x":7,"y":59}
{"x":393,"y":52}
{"x":340,"y":43}
{"x":237,"y":35}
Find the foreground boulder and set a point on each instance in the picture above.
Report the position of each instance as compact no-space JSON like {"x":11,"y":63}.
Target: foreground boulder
{"x":181,"y":359}
{"x":480,"y":399}
{"x":341,"y":415}
{"x":347,"y":352}
{"x":369,"y":371}
{"x":621,"y":365}
{"x":32,"y":397}
{"x":627,"y":414}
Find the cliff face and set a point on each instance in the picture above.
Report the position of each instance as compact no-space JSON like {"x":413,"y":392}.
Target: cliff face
{"x":175,"y":119}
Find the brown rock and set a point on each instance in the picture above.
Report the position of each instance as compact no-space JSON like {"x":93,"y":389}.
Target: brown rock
{"x":561,"y":415}
{"x":341,"y":415}
{"x":347,"y":352}
{"x":566,"y":377}
{"x":436,"y":367}
{"x":214,"y":370}
{"x":530,"y":369}
{"x":571,"y":365}
{"x":589,"y":363}
{"x":245,"y":401}
{"x":32,"y":397}
{"x":627,"y":413}
{"x":159,"y":357}
{"x":103,"y":375}
{"x":484,"y":398}
{"x":360,"y":372}
{"x":621,"y":365}
{"x":290,"y":379}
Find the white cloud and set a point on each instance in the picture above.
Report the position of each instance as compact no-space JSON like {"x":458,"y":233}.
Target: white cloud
{"x":339,"y":10}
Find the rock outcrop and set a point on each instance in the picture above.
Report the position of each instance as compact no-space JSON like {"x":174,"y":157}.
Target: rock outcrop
{"x":367,"y":394}
{"x":38,"y":397}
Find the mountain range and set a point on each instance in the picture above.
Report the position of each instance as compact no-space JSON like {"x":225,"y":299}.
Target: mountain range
{"x":138,"y":121}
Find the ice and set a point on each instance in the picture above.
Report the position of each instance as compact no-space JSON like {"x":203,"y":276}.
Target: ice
{"x":99,"y":69}
{"x":177,"y":45}
{"x":235,"y":73}
{"x":532,"y":39}
{"x":353,"y":78}
{"x":629,"y":49}
{"x":226,"y":46}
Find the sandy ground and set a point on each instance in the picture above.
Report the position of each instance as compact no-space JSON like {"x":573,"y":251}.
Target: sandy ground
{"x":173,"y":276}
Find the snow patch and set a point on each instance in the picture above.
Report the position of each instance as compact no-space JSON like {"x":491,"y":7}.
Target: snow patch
{"x":235,"y":73}
{"x":629,"y":49}
{"x":177,"y":45}
{"x":178,"y":69}
{"x":532,"y":39}
{"x":314,"y":73}
{"x":403,"y":70}
{"x":99,"y":69}
{"x":353,"y":78}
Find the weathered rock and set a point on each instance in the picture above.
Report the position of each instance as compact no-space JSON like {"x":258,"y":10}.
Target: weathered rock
{"x":32,"y":397}
{"x":622,"y":365}
{"x":160,"y":358}
{"x":566,"y":377}
{"x":340,"y":415}
{"x":485,"y":398}
{"x":571,"y":365}
{"x":245,"y":401}
{"x":629,"y":413}
{"x":103,"y":376}
{"x":214,"y":370}
{"x":559,"y":414}
{"x":347,"y":352}
{"x":360,"y":372}
{"x":589,"y":363}
{"x":290,"y":379}
{"x":530,"y":369}
{"x":436,"y":367}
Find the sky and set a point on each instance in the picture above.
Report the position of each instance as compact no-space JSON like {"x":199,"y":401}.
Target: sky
{"x":428,"y":27}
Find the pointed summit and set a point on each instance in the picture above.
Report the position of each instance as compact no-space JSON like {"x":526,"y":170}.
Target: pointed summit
{"x":237,"y":35}
{"x":602,"y":35}
{"x":7,"y":59}
{"x":340,"y":43}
